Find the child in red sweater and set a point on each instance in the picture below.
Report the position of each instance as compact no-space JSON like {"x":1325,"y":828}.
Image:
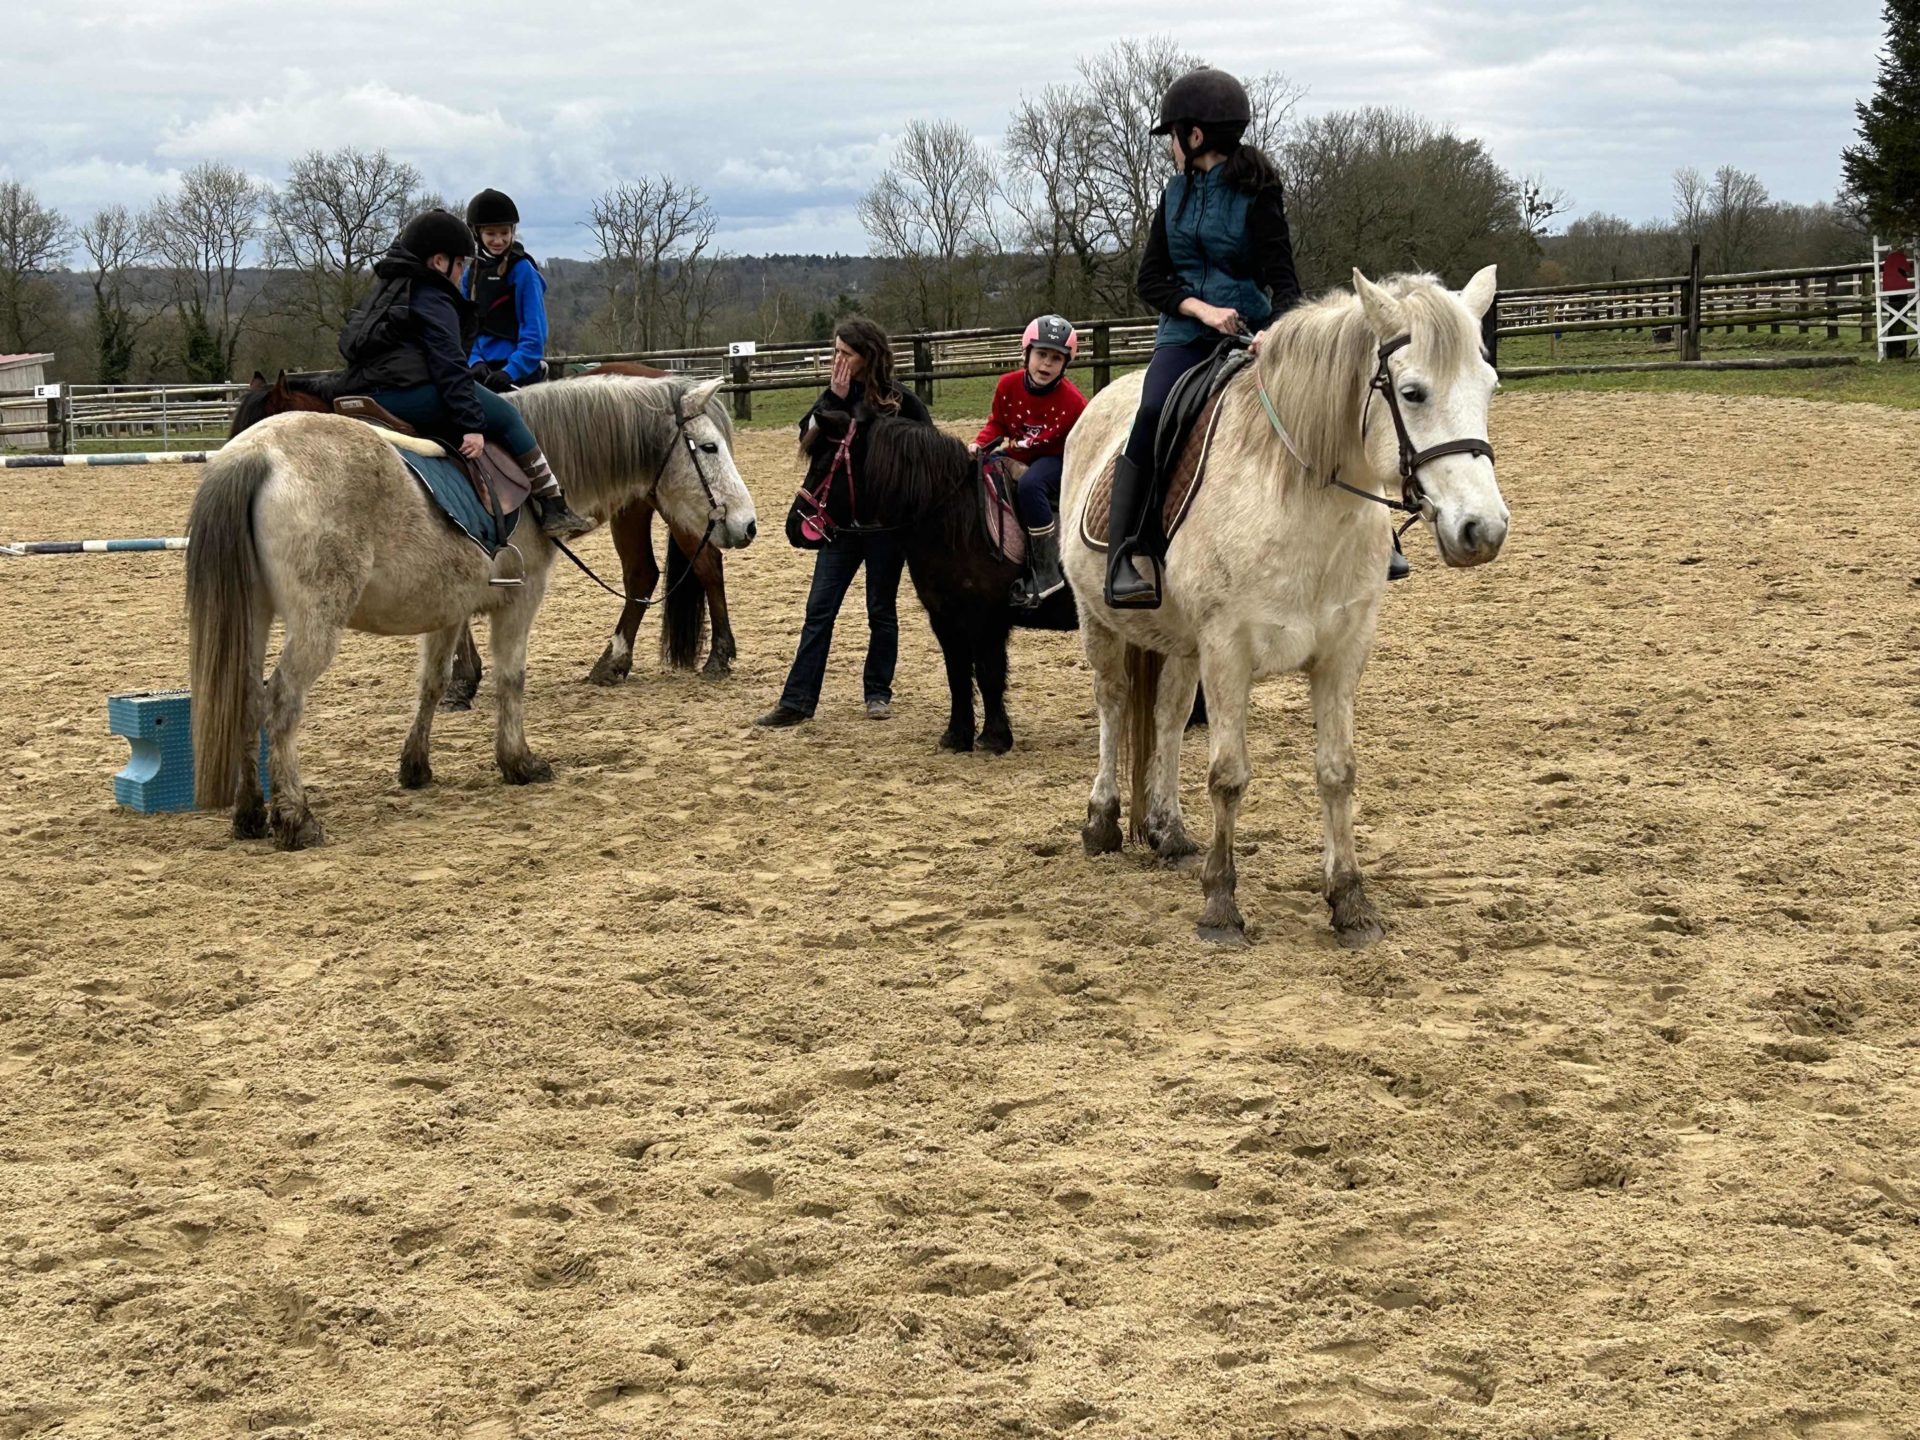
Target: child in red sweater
{"x":1033,"y":409}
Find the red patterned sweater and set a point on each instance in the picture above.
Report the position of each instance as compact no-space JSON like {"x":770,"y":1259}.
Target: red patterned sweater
{"x":1032,"y":425}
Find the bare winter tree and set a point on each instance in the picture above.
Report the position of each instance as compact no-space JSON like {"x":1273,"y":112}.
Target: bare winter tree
{"x":932,"y":211}
{"x":1390,"y":191}
{"x":33,"y":240}
{"x":117,"y":245}
{"x":1084,"y":171}
{"x":1737,"y":216}
{"x":332,"y":219}
{"x":203,"y":234}
{"x":1540,"y":203}
{"x":1692,"y":203}
{"x":652,"y":237}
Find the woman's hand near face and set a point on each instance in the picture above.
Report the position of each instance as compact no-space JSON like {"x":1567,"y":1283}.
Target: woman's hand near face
{"x":840,"y":382}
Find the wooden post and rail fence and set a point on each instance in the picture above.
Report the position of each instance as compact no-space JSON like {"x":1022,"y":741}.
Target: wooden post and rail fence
{"x":1676,"y":309}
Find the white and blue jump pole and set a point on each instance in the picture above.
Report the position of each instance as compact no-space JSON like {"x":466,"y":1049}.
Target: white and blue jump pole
{"x":58,"y":462}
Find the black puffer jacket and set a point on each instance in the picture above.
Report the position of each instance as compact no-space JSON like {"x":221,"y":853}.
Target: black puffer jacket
{"x":415,"y":329}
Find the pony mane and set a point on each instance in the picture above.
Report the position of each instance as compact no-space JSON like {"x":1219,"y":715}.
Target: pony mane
{"x":912,"y":474}
{"x":1322,"y":354}
{"x":606,"y":434}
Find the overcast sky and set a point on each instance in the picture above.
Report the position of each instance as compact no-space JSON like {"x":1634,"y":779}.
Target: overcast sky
{"x":784,"y":111}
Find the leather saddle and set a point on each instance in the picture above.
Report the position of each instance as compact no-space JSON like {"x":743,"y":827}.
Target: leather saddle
{"x":498,"y":482}
{"x":999,"y":487}
{"x":1180,"y":446}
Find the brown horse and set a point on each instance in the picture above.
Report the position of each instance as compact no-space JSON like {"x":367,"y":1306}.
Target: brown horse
{"x":686,"y":611}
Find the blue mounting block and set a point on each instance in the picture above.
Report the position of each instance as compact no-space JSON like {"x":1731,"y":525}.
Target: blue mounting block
{"x":159,"y":726}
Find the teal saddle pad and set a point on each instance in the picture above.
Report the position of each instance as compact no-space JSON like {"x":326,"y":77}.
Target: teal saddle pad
{"x":447,"y":483}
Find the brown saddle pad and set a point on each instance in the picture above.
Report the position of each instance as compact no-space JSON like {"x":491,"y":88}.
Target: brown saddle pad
{"x":497,"y":479}
{"x":1180,"y":487}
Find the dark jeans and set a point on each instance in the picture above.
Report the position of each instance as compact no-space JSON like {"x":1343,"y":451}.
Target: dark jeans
{"x":1169,"y":363}
{"x":1040,"y":492}
{"x":421,"y":408}
{"x":834,"y":566}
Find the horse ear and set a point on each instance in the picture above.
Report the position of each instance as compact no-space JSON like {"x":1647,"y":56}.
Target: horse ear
{"x":259,"y":382}
{"x":1384,"y":313}
{"x":1479,"y":292}
{"x":699,"y":395}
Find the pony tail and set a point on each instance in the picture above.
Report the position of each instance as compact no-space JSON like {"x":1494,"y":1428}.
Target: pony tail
{"x":1249,"y":169}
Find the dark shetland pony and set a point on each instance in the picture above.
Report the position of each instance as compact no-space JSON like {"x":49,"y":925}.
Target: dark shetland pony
{"x":686,"y":610}
{"x":922,"y":483}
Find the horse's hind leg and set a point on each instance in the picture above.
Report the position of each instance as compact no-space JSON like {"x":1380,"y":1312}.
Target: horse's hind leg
{"x":518,"y":764}
{"x":1107,"y":653}
{"x":990,"y":666}
{"x":308,"y":650}
{"x":710,"y":571}
{"x":250,"y":808}
{"x":437,"y":651}
{"x":464,"y":682}
{"x":1355,"y":922}
{"x":1228,"y":676}
{"x":632,"y":531}
{"x":1166,"y":829}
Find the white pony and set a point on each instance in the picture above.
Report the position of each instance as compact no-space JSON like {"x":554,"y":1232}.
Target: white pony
{"x":314,"y":519}
{"x":1280,"y":564}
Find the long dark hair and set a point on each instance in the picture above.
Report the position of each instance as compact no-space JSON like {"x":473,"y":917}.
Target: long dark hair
{"x":1246,"y":167}
{"x":870,"y":343}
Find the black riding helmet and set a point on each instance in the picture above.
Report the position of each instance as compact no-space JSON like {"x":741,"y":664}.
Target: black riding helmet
{"x":436,"y":232}
{"x":1210,"y":99}
{"x":492,"y":207}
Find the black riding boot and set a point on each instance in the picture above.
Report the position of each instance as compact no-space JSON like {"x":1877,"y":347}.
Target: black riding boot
{"x":1397,"y":566}
{"x":1127,"y":587}
{"x":1043,"y":575}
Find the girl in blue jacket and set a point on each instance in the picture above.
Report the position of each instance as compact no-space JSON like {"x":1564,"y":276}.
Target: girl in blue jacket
{"x":510,"y":294}
{"x":1218,"y":260}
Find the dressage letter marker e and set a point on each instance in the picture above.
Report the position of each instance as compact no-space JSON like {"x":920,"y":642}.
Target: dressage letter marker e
{"x":158,"y":724}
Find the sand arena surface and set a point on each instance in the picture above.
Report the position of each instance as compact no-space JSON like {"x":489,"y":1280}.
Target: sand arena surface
{"x":815,"y":1084}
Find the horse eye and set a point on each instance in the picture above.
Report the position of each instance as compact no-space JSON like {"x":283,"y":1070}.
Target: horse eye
{"x":1413,"y":394}
{"x":709,"y":447}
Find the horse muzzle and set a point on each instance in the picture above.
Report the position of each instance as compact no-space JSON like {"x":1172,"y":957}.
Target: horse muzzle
{"x":736,"y":532}
{"x":1466,"y":540}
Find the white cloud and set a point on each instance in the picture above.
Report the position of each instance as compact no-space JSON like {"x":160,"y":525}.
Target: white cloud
{"x":310,"y":116}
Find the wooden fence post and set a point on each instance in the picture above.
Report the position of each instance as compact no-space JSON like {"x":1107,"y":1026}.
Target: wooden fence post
{"x":742,"y":397}
{"x":1864,"y":288}
{"x":923,"y":370}
{"x":1833,"y":307}
{"x":1690,"y":321}
{"x":1806,"y":298}
{"x":1102,"y":356}
{"x":54,"y":428}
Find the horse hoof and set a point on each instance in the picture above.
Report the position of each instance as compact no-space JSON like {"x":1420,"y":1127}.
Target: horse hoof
{"x":415,"y":774}
{"x":716,"y":668}
{"x":530,"y":771}
{"x":250,"y":824}
{"x":307,"y":835}
{"x":607,"y":675}
{"x":453,"y":704}
{"x":1234,"y":936}
{"x":1359,"y":937}
{"x":1101,"y":834}
{"x":955,"y":743}
{"x":1175,"y":849}
{"x":996,"y":742}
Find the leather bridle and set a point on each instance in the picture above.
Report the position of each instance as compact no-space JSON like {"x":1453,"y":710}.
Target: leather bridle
{"x":1412,"y":500}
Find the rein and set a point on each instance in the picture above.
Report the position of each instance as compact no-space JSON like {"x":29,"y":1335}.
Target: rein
{"x":680,"y":423}
{"x":1412,"y":500}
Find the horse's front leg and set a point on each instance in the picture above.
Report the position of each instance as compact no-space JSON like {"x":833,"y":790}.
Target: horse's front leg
{"x":1107,"y":654}
{"x":990,"y":669}
{"x":956,"y":650}
{"x":632,"y":531}
{"x":1166,"y":829}
{"x":518,"y":764}
{"x":1227,"y":673}
{"x":711,"y":571}
{"x":1355,"y":922}
{"x":464,"y":683}
{"x":437,"y":650}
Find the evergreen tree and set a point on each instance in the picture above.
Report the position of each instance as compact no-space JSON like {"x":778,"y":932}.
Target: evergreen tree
{"x":1883,"y":170}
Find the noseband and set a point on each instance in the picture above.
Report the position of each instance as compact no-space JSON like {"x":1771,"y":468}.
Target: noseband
{"x":1413,"y":500}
